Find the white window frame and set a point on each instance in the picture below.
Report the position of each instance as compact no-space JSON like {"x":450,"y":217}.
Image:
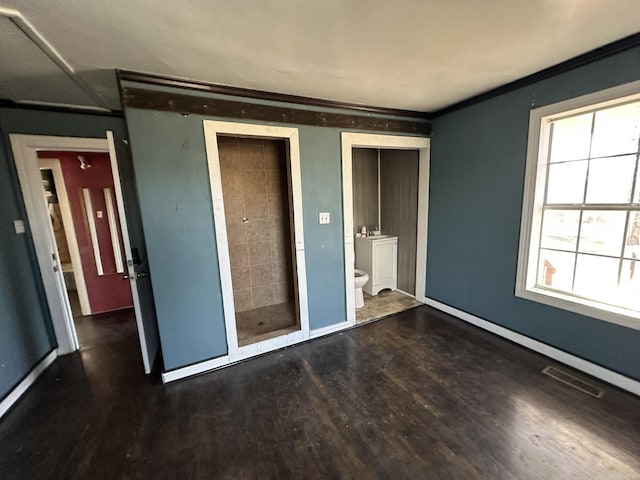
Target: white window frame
{"x":540,"y":120}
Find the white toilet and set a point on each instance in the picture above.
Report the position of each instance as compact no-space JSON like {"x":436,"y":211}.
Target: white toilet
{"x":360,"y":280}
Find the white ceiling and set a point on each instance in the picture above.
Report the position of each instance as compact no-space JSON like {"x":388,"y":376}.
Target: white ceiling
{"x":409,"y":54}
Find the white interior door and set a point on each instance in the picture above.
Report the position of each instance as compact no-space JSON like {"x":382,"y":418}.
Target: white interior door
{"x":138,"y":277}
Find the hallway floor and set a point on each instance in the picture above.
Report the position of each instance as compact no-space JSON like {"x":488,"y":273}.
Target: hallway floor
{"x":416,"y":395}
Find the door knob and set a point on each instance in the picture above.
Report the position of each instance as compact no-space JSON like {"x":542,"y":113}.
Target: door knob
{"x":142,"y":274}
{"x":125,"y":277}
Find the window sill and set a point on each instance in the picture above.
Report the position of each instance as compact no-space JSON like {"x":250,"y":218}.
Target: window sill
{"x":607,"y":313}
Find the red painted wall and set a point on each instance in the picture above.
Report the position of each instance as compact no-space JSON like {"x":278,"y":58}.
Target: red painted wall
{"x":109,"y":291}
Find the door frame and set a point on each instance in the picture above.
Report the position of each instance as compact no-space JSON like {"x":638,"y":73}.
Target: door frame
{"x":25,"y":153}
{"x":53,"y":164}
{"x":211,"y":130}
{"x":392,"y":142}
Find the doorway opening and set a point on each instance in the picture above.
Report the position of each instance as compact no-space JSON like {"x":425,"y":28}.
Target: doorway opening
{"x":79,"y":191}
{"x":256,"y":192}
{"x":256,"y":188}
{"x":385,"y":228}
{"x":85,"y":210}
{"x":385,"y":195}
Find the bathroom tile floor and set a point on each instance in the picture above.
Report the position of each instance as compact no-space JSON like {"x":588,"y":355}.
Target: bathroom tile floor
{"x":265,"y":322}
{"x":385,"y":303}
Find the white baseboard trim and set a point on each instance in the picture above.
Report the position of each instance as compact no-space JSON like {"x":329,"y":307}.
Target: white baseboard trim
{"x":321,"y":332}
{"x":24,"y":385}
{"x":195,"y":369}
{"x":604,"y":374}
{"x":225,"y":361}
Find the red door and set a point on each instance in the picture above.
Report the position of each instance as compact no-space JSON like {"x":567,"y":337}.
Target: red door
{"x":89,"y":184}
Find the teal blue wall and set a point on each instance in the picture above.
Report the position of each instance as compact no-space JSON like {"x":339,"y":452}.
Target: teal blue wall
{"x":26,"y":335}
{"x":172,"y":178}
{"x":477,"y":174}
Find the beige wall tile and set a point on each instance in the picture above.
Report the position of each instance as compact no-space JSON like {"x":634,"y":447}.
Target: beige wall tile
{"x":276,"y":182}
{"x":241,"y":278}
{"x":274,"y":155}
{"x":278,"y":229}
{"x":281,"y":272}
{"x":229,"y":158}
{"x":282,"y":292}
{"x":232,"y":182}
{"x":258,"y":230}
{"x":254,"y":182}
{"x":280,"y":252}
{"x":278,"y":206}
{"x":261,"y":275}
{"x":234,"y":209}
{"x":263,"y":296}
{"x":238,"y":255}
{"x":259,"y":253}
{"x":242,"y":300}
{"x":236,"y":232}
{"x":251,"y":156}
{"x":255,"y":206}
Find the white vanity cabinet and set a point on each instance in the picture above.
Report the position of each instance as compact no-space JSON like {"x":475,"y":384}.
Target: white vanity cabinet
{"x":378,"y":256}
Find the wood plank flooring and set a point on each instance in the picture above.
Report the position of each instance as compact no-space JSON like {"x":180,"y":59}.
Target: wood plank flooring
{"x":414,"y":396}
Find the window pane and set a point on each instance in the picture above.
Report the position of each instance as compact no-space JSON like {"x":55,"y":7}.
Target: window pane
{"x":555,"y":269}
{"x":601,"y":232}
{"x":616,"y":130}
{"x":632,"y":242}
{"x":629,"y":289}
{"x":611,"y":180}
{"x":560,"y":229}
{"x":566,"y":182}
{"x":571,"y":138}
{"x":597,"y":278}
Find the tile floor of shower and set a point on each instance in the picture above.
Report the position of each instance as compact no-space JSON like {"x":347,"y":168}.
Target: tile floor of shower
{"x":263,"y":323}
{"x":387,"y":302}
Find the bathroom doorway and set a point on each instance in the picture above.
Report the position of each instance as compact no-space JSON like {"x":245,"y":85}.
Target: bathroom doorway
{"x":385,"y":194}
{"x":256,"y":195}
{"x":385,"y":214}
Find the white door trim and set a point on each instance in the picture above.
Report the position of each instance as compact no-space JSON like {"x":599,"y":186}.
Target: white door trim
{"x":53,"y":164}
{"x":211,"y":130}
{"x":351,"y":140}
{"x":25,"y":153}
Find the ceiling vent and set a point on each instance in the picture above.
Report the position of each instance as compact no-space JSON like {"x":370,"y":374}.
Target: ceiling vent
{"x":33,"y":72}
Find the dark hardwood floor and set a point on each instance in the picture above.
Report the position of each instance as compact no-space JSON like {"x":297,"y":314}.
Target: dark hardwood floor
{"x":416,"y":396}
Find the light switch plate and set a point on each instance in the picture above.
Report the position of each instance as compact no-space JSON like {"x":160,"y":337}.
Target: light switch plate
{"x":99,"y":213}
{"x":325,"y":217}
{"x":19,"y":226}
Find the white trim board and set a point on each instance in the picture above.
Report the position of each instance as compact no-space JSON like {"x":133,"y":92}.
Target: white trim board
{"x":21,"y":388}
{"x":195,"y":369}
{"x":394,"y":142}
{"x":604,"y":374}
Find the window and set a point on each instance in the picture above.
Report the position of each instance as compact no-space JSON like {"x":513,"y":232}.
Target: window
{"x":580,"y":235}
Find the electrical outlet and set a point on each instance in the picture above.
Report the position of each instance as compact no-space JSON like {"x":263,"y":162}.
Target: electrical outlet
{"x":325,"y":217}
